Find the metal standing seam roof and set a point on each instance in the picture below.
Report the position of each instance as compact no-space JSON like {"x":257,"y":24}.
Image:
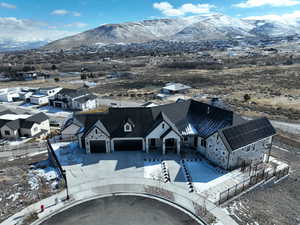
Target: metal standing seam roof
{"x":176,"y":87}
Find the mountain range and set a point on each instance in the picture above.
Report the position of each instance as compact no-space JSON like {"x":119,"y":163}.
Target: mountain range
{"x":192,"y":28}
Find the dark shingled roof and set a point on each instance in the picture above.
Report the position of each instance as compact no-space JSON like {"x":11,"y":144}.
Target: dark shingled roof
{"x":38,"y":118}
{"x":73,"y":93}
{"x":85,"y":98}
{"x":204,"y":118}
{"x":14,"y":124}
{"x":247,"y":133}
{"x":26,"y":124}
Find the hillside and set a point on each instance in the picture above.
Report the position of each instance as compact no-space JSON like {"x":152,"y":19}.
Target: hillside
{"x":204,"y":27}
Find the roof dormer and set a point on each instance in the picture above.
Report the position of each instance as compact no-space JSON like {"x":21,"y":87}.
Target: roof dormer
{"x":128,"y":126}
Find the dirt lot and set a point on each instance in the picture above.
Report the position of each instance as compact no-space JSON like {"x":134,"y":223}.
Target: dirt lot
{"x":277,"y":204}
{"x":20,"y":186}
{"x":274,"y":89}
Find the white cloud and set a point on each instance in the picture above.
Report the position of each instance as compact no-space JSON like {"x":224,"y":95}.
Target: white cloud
{"x":288,"y":18}
{"x":77,"y":25}
{"x":168,"y":10}
{"x":7,"y":5}
{"x":76,"y":13}
{"x":274,"y":3}
{"x":63,"y":12}
{"x":60,"y":12}
{"x":21,"y":30}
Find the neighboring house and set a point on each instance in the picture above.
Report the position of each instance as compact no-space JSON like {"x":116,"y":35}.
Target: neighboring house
{"x":74,"y":99}
{"x":175,"y":88}
{"x":14,"y":126}
{"x":9,"y":94}
{"x":25,"y":95}
{"x":221,"y":136}
{"x":49,"y":91}
{"x":38,"y":99}
{"x":148,"y":104}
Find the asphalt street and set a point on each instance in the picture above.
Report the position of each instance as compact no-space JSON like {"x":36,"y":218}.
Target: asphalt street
{"x":121,"y":210}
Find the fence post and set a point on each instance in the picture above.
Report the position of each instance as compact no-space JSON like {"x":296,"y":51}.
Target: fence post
{"x":228,"y":194}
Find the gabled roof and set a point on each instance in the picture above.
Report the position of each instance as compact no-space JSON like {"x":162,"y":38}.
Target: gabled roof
{"x":176,"y":87}
{"x":48,"y":88}
{"x":14,"y":124}
{"x":73,"y":93}
{"x":38,"y":118}
{"x":100,"y":126}
{"x":247,"y":133}
{"x":85,"y":98}
{"x":26,"y":124}
{"x":203,"y":118}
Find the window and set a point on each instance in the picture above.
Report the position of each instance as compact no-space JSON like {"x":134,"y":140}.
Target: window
{"x":185,"y":138}
{"x":248,"y":149}
{"x":7,"y":132}
{"x":127,"y":127}
{"x":163,"y":126}
{"x":96,"y":131}
{"x":35,"y":129}
{"x":203,"y":143}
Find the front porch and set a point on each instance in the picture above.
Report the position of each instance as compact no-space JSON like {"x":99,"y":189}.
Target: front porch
{"x":163,"y":145}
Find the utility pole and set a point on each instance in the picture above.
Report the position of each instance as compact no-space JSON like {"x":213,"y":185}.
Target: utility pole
{"x":66,"y":184}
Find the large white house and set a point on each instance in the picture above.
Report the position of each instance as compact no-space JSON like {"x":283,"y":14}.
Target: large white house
{"x":221,"y":136}
{"x":74,"y":99}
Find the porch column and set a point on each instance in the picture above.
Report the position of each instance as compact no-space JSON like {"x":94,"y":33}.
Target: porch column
{"x":178,"y":146}
{"x":144,"y":146}
{"x":107,"y":142}
{"x":112,"y":149}
{"x":147,"y":145}
{"x":87,"y":146}
{"x":164,"y":147}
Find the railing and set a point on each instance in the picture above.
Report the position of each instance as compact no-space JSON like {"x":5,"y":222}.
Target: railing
{"x":251,"y":181}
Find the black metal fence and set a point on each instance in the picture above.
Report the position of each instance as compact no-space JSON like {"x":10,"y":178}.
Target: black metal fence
{"x":251,"y":181}
{"x":54,"y":160}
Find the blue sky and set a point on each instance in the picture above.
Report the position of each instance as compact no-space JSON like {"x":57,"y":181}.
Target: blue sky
{"x":58,"y":18}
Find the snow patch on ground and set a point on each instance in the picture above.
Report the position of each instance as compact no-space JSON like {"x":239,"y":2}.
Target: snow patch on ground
{"x":13,"y":197}
{"x":152,"y":170}
{"x":204,"y":175}
{"x":49,"y":174}
{"x":55,"y":111}
{"x":68,"y":153}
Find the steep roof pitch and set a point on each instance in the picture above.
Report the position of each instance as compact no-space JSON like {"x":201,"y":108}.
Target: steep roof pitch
{"x":38,"y":118}
{"x":14,"y":124}
{"x":73,"y":93}
{"x":85,"y":98}
{"x":204,"y":119}
{"x":247,"y":133}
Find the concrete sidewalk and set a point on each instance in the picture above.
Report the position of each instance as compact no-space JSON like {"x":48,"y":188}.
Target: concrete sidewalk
{"x":105,"y":187}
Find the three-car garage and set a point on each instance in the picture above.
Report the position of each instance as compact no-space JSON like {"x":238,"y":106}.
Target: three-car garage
{"x":100,"y":146}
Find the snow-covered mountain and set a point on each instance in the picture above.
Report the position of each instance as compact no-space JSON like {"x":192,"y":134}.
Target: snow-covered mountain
{"x":193,"y":28}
